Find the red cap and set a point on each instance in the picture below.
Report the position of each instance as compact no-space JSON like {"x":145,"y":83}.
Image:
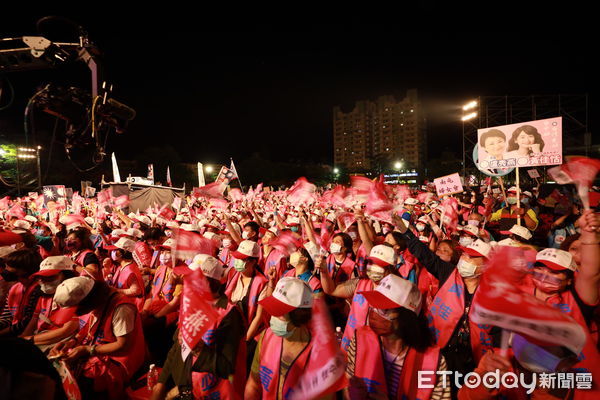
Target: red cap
{"x":8,"y":238}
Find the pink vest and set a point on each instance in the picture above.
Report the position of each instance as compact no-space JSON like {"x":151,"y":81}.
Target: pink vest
{"x":269,"y":366}
{"x":101,"y":333}
{"x":344,"y":273}
{"x":57,"y":315}
{"x":361,"y":261}
{"x":18,"y":298}
{"x":161,"y":288}
{"x":369,"y":367}
{"x":256,"y":287}
{"x":445,"y":312}
{"x":313,"y":282}
{"x":208,"y":386}
{"x":274,"y":259}
{"x":79,"y":260}
{"x":121,"y":277}
{"x":359,"y":311}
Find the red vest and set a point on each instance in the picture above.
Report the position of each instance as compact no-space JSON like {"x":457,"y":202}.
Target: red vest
{"x":359,"y":311}
{"x":447,"y":309}
{"x":101,"y":333}
{"x":256,"y":287}
{"x":313,"y":282}
{"x":269,"y":366}
{"x":344,"y":272}
{"x":121,"y":278}
{"x":50,"y":311}
{"x":369,"y":367}
{"x":18,"y":298}
{"x":208,"y":386}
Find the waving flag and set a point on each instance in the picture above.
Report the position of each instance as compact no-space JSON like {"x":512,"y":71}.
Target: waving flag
{"x":363,"y":187}
{"x":188,"y":244}
{"x":580,"y":171}
{"x":16,"y":211}
{"x":166,"y":213}
{"x":324,"y":373}
{"x":4,"y":202}
{"x":378,"y":204}
{"x":73,"y":219}
{"x":236,"y":195}
{"x":347,"y":219}
{"x":197,"y":313}
{"x":121,"y":201}
{"x":450,"y":216}
{"x":287,"y":242}
{"x":104,"y":197}
{"x":301,"y":192}
{"x":324,"y":238}
{"x":211,"y":191}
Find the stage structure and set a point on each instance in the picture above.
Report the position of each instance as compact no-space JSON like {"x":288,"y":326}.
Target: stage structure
{"x":143,"y":195}
{"x":490,"y":111}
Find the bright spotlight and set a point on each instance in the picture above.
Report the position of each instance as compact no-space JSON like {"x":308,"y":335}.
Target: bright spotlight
{"x":398,"y":164}
{"x":469,"y":116}
{"x":208,"y":168}
{"x":470,"y":105}
{"x":336,"y":170}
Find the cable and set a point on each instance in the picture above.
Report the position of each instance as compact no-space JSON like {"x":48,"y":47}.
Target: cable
{"x":12,"y":95}
{"x":94,"y":116}
{"x":51,"y":147}
{"x":29,"y":104}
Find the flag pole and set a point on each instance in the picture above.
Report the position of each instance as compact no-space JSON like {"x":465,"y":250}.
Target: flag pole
{"x":518,"y":197}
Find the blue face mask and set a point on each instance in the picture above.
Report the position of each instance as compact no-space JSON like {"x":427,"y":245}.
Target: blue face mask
{"x":534,"y":358}
{"x":294,"y":229}
{"x":279,"y":327}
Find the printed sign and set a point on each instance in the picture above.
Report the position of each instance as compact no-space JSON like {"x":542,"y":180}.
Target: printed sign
{"x":525,"y":144}
{"x":533,"y":173}
{"x":449,"y":184}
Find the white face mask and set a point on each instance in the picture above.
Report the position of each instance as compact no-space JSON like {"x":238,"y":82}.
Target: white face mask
{"x":314,"y":218}
{"x":113,"y":255}
{"x":245,"y":235}
{"x":467,"y":269}
{"x":165,"y":259}
{"x":335,"y":248}
{"x":272,"y":223}
{"x":50,"y":287}
{"x":465,"y":241}
{"x":226,"y":243}
{"x":375,"y":273}
{"x":473,"y":222}
{"x":420,"y":227}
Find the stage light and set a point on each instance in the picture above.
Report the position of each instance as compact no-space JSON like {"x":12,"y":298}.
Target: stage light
{"x":470,"y":105}
{"x":208,"y":169}
{"x":469,"y":116}
{"x":336,"y":170}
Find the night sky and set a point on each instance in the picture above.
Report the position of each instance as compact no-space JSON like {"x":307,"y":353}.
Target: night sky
{"x":216,"y":93}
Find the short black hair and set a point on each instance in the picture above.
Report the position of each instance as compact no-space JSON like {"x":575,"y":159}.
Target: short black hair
{"x":253,"y":225}
{"x":491,"y":133}
{"x":27,"y":260}
{"x":153,"y":234}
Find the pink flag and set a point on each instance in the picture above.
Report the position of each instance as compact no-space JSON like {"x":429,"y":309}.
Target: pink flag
{"x":450,"y":216}
{"x":73,"y":219}
{"x":221,"y":204}
{"x":379,"y":205}
{"x":578,"y":170}
{"x":5,"y":201}
{"x":425,"y":197}
{"x":326,"y":365}
{"x":500,"y":302}
{"x":211,"y":191}
{"x":347,"y":219}
{"x":324,"y":238}
{"x":16,"y":211}
{"x":287,"y":242}
{"x":177,"y":202}
{"x":236,"y":195}
{"x":363,"y":187}
{"x":39,"y":202}
{"x":188,"y":244}
{"x":402,"y":192}
{"x":166,"y":213}
{"x":197,"y":314}
{"x":301,"y":192}
{"x":104,"y":197}
{"x":121,"y":201}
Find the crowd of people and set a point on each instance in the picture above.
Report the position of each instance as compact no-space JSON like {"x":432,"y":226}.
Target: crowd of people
{"x":95,"y":301}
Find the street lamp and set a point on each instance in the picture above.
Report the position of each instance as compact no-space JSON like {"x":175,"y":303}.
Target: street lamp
{"x":398,"y":165}
{"x":336,"y":171}
{"x":208,"y":168}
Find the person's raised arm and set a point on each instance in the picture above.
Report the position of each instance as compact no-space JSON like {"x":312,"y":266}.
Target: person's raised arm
{"x":586,"y":282}
{"x":363,"y":232}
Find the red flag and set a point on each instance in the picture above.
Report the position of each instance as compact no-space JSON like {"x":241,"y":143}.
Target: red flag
{"x":347,"y":219}
{"x":287,"y":242}
{"x":500,"y":302}
{"x":301,"y":192}
{"x":363,"y":187}
{"x":16,"y":211}
{"x":379,"y":205}
{"x":197,"y":314}
{"x":236,"y":195}
{"x":121,"y":201}
{"x":325,"y":371}
{"x":188,"y":244}
{"x":425,"y":197}
{"x":211,"y":191}
{"x":450,"y":216}
{"x":578,"y":170}
{"x":142,"y":254}
{"x":166,"y":213}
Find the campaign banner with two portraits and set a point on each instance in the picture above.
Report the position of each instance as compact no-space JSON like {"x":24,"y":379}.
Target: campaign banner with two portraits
{"x":526,"y":144}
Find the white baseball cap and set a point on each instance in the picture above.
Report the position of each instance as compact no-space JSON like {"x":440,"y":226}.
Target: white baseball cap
{"x":190,"y":227}
{"x":246,"y":248}
{"x":512,"y":189}
{"x":520,"y":231}
{"x":555,"y":259}
{"x":145,"y":220}
{"x":134,"y":232}
{"x":292,"y":221}
{"x":211,"y":267}
{"x":289,"y":294}
{"x":411,"y":201}
{"x":471,"y":230}
{"x":89,"y":221}
{"x":394,"y":292}
{"x":31,"y":219}
{"x":166,"y":245}
{"x":383,"y":255}
{"x":123,"y":244}
{"x":478,"y":248}
{"x":71,"y":291}
{"x":22,"y":224}
{"x":54,"y":264}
